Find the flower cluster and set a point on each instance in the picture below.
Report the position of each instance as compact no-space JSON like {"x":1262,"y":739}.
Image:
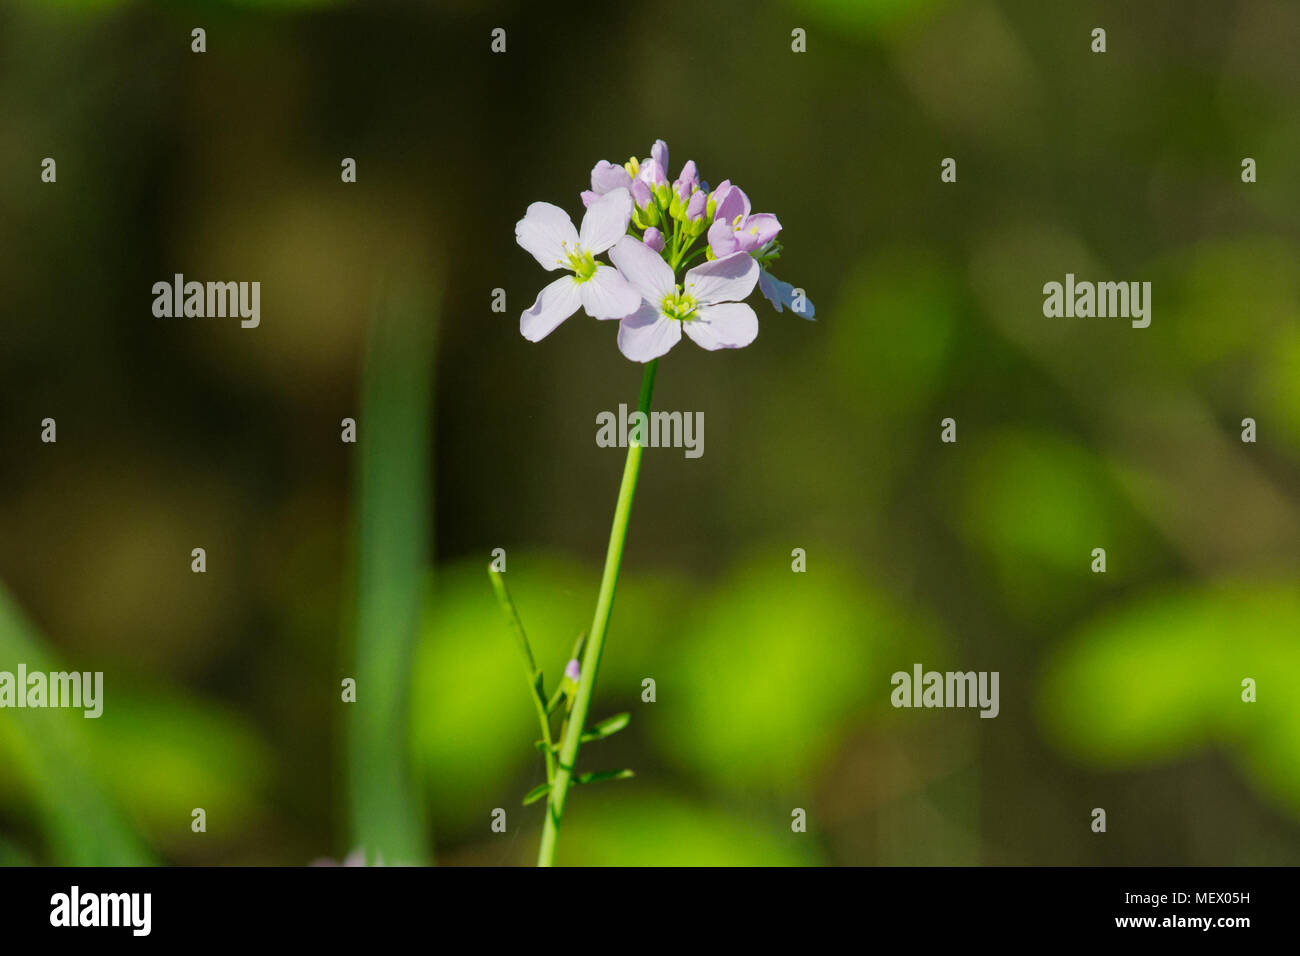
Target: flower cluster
{"x":651,"y":228}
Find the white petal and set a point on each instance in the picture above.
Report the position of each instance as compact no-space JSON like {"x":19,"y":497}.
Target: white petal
{"x":643,"y":267}
{"x":554,"y":304}
{"x":543,"y":231}
{"x":606,"y":176}
{"x":647,"y":334}
{"x":606,"y":221}
{"x":731,"y":325}
{"x":607,"y":295}
{"x":728,"y":279}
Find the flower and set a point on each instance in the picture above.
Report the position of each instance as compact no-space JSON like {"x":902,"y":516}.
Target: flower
{"x":734,"y":229}
{"x":654,"y":239}
{"x":783,"y":293}
{"x":547,"y":232}
{"x":706,"y":306}
{"x":573,"y":670}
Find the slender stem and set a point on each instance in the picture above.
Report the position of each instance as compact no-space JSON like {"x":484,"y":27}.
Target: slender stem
{"x":530,"y":668}
{"x":596,"y":639}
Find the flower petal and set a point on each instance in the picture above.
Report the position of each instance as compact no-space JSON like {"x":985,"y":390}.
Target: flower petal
{"x":543,"y":232}
{"x":647,"y":334}
{"x":643,"y":267}
{"x":728,"y":279}
{"x":554,"y":304}
{"x":732,"y":202}
{"x":782,"y":293}
{"x":757,"y":231}
{"x":606,"y":221}
{"x":731,"y":325}
{"x":607,"y":295}
{"x":722,"y":239}
{"x":606,"y":176}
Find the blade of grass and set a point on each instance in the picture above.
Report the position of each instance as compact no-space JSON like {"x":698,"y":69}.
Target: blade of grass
{"x":393,"y":534}
{"x":80,"y":824}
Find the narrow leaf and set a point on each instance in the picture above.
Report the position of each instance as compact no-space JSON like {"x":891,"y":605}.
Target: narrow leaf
{"x":535,"y":794}
{"x":607,"y":727}
{"x":600,"y":776}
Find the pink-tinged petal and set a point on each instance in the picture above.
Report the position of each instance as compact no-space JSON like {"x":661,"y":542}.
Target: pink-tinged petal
{"x":659,"y":152}
{"x":588,"y":197}
{"x":652,"y":173}
{"x":606,"y":221}
{"x":731,"y":204}
{"x":606,"y":176}
{"x":554,"y":304}
{"x":731,"y":325}
{"x":641,"y":193}
{"x":782,"y":294}
{"x":720,"y":194}
{"x":643,"y":267}
{"x":728,"y":279}
{"x":722,"y":239}
{"x":697,"y":205}
{"x":543,"y":232}
{"x":647,"y":334}
{"x":607,"y":295}
{"x":757,"y":231}
{"x":689,"y":175}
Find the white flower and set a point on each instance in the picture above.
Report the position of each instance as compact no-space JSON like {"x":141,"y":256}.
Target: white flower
{"x":706,"y":306}
{"x":547,"y":232}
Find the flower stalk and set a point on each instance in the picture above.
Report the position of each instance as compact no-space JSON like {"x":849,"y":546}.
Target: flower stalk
{"x":572,"y":739}
{"x":648,"y":228}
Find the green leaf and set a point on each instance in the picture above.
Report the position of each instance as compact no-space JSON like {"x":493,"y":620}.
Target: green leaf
{"x":607,"y":727}
{"x":50,"y":757}
{"x":393,"y":530}
{"x":535,"y":794}
{"x":600,"y":776}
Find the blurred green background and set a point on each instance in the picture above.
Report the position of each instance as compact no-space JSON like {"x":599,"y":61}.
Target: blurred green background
{"x":328,"y":560}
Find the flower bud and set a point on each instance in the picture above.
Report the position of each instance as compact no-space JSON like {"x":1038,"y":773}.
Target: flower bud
{"x":641,"y":193}
{"x":695,"y":209}
{"x":654,"y":239}
{"x":688,"y":179}
{"x":659,"y":151}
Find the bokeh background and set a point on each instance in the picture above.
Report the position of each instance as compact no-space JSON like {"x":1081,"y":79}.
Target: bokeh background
{"x":328,"y":560}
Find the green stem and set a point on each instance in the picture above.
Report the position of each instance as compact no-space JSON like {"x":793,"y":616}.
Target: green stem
{"x":534,"y":676}
{"x":596,"y":640}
